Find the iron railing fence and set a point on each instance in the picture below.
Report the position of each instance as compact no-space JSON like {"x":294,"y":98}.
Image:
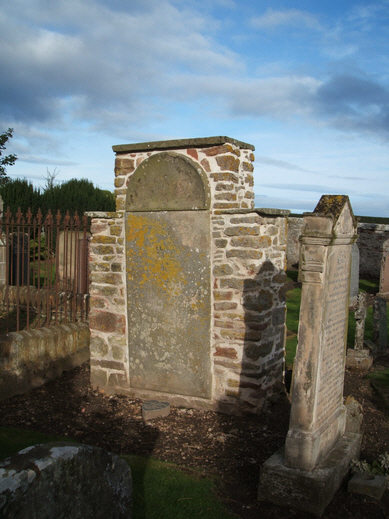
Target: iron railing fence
{"x":43,"y":270}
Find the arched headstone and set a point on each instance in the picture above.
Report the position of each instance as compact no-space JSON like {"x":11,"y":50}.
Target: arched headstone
{"x":168,"y":276}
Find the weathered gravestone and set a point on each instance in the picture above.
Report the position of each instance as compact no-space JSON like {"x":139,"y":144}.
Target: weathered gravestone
{"x":354,"y":275}
{"x":168,"y":273}
{"x":384,"y":273}
{"x":309,"y":470}
{"x":65,"y":480}
{"x":187,"y":279}
{"x":380,"y":324}
{"x":360,"y":357}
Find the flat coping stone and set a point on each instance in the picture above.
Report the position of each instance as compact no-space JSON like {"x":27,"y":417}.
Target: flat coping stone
{"x":202,"y":142}
{"x":155,"y":409}
{"x":372,"y":485}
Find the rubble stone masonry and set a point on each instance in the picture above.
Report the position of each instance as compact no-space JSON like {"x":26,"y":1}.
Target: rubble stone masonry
{"x":248,"y":261}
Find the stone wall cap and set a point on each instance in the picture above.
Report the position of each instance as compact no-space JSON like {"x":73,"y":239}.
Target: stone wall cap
{"x":202,"y":142}
{"x":373,"y":226}
{"x":257,"y":210}
{"x":103,"y":214}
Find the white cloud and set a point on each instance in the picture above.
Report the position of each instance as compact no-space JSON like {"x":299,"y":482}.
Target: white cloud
{"x":291,"y":17}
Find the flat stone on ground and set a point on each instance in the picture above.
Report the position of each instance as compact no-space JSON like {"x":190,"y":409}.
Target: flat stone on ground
{"x":372,"y":485}
{"x":155,"y":409}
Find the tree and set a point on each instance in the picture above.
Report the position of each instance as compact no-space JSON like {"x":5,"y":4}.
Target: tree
{"x":8,"y":160}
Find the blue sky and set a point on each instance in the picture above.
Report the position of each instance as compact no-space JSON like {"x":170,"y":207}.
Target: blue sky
{"x":305,"y":82}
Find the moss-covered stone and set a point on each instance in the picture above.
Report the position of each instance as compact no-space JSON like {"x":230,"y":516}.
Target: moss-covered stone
{"x":225,"y":177}
{"x":116,"y":230}
{"x":98,"y":347}
{"x":225,"y":196}
{"x":102,"y":249}
{"x":242,"y":230}
{"x":228,"y":163}
{"x":222,"y":270}
{"x":103,"y":239}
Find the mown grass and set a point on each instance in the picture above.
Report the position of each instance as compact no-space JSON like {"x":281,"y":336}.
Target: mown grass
{"x":160,"y":490}
{"x":293,"y":299}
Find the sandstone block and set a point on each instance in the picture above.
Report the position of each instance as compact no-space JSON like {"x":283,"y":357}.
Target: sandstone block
{"x":372,"y":485}
{"x":154,"y":409}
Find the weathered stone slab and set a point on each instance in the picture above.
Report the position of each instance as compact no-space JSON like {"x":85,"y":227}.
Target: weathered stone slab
{"x":372,"y":485}
{"x":62,"y":480}
{"x":155,"y":409}
{"x":167,"y":182}
{"x":169,"y":308}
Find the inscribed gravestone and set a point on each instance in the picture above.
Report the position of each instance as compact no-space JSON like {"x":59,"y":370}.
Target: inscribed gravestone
{"x":318,"y":415}
{"x":168,"y":276}
{"x":309,"y":470}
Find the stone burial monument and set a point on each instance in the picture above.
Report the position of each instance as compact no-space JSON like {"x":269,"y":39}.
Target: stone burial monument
{"x":307,"y":472}
{"x":187,"y":279}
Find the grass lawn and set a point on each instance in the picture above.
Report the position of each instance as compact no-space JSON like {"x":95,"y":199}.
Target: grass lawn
{"x":160,"y":490}
{"x":293,"y":298}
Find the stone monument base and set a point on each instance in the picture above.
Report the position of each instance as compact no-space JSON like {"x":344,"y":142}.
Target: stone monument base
{"x":359,"y":359}
{"x":310,"y":491}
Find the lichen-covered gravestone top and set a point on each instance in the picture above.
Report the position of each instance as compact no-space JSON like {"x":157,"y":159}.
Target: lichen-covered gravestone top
{"x":318,"y":415}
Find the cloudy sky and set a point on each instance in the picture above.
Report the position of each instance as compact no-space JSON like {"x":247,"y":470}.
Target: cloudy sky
{"x":305,"y":82}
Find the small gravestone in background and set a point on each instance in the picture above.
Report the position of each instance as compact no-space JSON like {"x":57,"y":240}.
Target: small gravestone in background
{"x":354,"y":275}
{"x":318,"y":448}
{"x":384,"y":273}
{"x":359,"y":357}
{"x":380,"y":324}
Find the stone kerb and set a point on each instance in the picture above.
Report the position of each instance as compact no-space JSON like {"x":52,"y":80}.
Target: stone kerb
{"x":248,"y":256}
{"x":318,"y":448}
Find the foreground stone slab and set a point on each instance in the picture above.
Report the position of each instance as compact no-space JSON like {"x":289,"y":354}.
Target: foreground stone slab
{"x":310,"y":491}
{"x":65,"y":480}
{"x":372,"y":485}
{"x":154,"y":409}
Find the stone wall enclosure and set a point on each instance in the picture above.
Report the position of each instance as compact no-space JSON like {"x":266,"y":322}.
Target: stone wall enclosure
{"x":187,"y":279}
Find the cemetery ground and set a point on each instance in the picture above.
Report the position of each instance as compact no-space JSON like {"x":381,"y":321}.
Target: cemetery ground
{"x":204,"y":446}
